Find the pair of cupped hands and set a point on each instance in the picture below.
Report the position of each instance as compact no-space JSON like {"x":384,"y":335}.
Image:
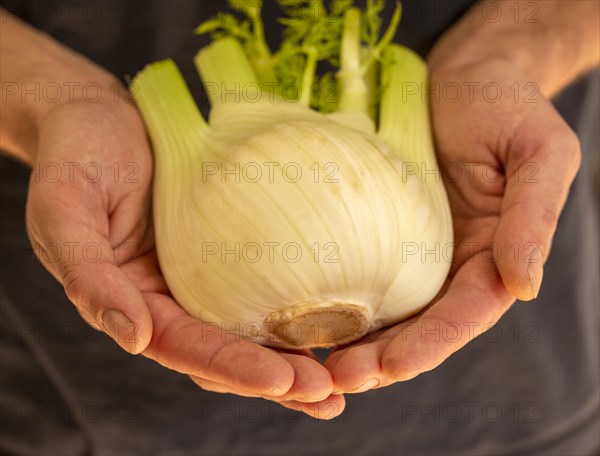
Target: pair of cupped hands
{"x":508,"y":162}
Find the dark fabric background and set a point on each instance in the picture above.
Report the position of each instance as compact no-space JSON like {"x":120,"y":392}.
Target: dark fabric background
{"x":528,"y":386}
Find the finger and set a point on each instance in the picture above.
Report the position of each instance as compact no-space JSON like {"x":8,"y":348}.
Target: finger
{"x":327,"y":408}
{"x":298,"y":351}
{"x":357,"y":368}
{"x":187,"y":345}
{"x":540,"y":166}
{"x":70,"y":246}
{"x":294,"y":395}
{"x":216,"y":387}
{"x":312,"y":381}
{"x":474,"y":302}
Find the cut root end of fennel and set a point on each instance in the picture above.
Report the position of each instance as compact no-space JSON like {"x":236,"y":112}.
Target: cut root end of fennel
{"x":317,"y":324}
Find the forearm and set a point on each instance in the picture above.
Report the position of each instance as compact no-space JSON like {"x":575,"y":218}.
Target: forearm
{"x":37,"y":75}
{"x":552,"y":42}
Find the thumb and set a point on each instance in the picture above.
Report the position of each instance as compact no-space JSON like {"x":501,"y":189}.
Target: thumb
{"x":64,"y":231}
{"x":540,"y":166}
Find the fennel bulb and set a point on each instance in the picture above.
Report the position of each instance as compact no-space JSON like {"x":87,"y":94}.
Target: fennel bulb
{"x":293,"y":227}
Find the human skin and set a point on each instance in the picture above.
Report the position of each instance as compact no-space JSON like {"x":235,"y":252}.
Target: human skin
{"x":124,"y":293}
{"x":504,"y":219}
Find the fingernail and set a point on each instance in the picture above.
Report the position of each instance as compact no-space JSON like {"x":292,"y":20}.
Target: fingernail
{"x":121,"y":329}
{"x":534,"y":283}
{"x":368,"y":385}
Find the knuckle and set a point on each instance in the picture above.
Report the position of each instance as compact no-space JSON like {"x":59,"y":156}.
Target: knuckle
{"x":548,"y":215}
{"x":74,"y":287}
{"x":573,"y":150}
{"x":78,"y":293}
{"x":393,"y":367}
{"x":564,"y":141}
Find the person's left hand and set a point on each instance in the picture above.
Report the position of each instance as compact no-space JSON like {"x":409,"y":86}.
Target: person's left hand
{"x":517,"y":160}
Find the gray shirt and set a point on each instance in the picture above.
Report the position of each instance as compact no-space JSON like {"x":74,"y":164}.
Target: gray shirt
{"x":530,"y":385}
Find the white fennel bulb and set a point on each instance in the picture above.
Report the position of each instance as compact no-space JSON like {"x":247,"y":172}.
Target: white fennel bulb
{"x":288,"y":226}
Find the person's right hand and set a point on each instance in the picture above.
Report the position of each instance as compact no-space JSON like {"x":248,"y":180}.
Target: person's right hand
{"x":88,"y":217}
{"x":91,"y":228}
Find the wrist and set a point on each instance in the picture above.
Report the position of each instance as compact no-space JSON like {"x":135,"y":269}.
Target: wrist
{"x":41,"y":75}
{"x":552,"y":47}
{"x":469,"y":46}
{"x":27,"y":105}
